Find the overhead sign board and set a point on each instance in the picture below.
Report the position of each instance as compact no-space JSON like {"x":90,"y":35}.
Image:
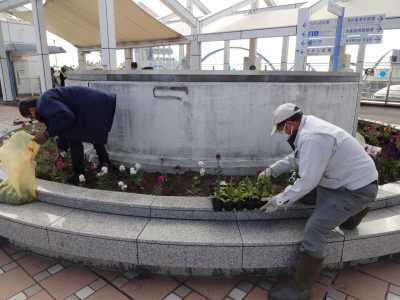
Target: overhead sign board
{"x":370,"y":19}
{"x":357,"y":40}
{"x":362,"y":29}
{"x":320,"y":42}
{"x":320,"y":51}
{"x":319,"y":33}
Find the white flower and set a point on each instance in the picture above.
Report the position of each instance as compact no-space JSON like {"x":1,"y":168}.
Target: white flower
{"x":138,"y":166}
{"x":202,"y":172}
{"x":121,"y":183}
{"x":122,"y":168}
{"x":124,"y":187}
{"x":99,"y":174}
{"x":82,"y":178}
{"x":223,"y":183}
{"x":104,"y":170}
{"x":201,"y":164}
{"x":132,"y":171}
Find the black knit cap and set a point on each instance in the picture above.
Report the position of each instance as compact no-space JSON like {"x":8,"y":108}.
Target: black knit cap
{"x":25,"y":105}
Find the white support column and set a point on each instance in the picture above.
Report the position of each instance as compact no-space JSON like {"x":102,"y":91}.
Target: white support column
{"x":227,"y":55}
{"x":360,"y":57}
{"x":107,"y":34}
{"x":189,"y":5}
{"x":301,"y":49}
{"x":82,"y":59}
{"x":253,"y":42}
{"x":181,"y":53}
{"x":195,"y":55}
{"x":5,"y":79}
{"x":128,"y":58}
{"x":252,"y":52}
{"x":41,"y":45}
{"x":285,"y":53}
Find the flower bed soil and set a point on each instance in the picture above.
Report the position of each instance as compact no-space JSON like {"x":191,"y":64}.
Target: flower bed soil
{"x":191,"y":183}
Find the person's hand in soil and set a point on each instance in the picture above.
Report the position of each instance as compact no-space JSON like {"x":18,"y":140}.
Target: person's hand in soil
{"x":41,"y":137}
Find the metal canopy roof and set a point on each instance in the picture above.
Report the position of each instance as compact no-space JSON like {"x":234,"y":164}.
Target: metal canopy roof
{"x":275,"y":17}
{"x":77,"y":22}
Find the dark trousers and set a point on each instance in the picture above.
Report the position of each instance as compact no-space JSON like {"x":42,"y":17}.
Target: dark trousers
{"x":77,"y":156}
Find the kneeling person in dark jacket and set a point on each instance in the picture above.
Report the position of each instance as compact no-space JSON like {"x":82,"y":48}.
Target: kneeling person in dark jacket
{"x":78,"y":114}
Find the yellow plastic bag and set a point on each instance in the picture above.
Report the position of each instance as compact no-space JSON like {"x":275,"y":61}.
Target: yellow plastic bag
{"x":17,"y":157}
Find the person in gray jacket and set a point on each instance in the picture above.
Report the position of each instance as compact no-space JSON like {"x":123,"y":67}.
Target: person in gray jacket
{"x":334,"y":162}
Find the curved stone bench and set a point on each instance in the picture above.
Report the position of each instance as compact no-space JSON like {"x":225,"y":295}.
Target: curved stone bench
{"x":142,"y":241}
{"x":176,"y":207}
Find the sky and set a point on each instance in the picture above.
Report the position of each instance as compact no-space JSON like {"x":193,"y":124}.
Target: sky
{"x":268,"y":47}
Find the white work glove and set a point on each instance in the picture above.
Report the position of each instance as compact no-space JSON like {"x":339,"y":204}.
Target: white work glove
{"x":273,"y":204}
{"x":267,"y":172}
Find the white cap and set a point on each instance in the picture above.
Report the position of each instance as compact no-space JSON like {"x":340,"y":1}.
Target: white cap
{"x":282,"y":113}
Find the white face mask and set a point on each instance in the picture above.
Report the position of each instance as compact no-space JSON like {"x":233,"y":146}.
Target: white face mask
{"x":284,"y":134}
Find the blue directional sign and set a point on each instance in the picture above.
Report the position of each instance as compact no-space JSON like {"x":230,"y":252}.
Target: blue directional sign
{"x":363,"y":29}
{"x":374,"y":19}
{"x":368,"y":39}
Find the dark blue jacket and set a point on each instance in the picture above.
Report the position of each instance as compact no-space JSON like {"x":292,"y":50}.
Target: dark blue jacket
{"x":77,"y":113}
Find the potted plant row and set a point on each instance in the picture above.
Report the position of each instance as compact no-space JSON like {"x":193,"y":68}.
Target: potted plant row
{"x":246,"y":194}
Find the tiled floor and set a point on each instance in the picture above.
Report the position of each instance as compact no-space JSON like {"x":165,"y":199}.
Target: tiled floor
{"x":24,"y":275}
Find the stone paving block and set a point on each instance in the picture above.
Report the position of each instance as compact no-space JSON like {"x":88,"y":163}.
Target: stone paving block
{"x":55,"y":269}
{"x":42,"y":275}
{"x":95,"y":200}
{"x":98,"y":284}
{"x":273,"y":244}
{"x":237,"y":294}
{"x":376,"y":236}
{"x":393,"y":188}
{"x":180,"y":243}
{"x":182,"y":291}
{"x":119,"y":282}
{"x":99,"y":236}
{"x":33,"y":290}
{"x":93,"y":248}
{"x":84,"y":292}
{"x":172,"y":297}
{"x":9,"y":267}
{"x":19,"y":296}
{"x":27,"y":223}
{"x":291,"y":213}
{"x":180,"y":207}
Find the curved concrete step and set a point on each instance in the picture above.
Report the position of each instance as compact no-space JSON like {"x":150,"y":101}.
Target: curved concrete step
{"x":141,"y":241}
{"x":177,"y":207}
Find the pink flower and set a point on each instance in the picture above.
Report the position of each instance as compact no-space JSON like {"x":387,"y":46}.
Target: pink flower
{"x":161,"y":179}
{"x":60,"y":164}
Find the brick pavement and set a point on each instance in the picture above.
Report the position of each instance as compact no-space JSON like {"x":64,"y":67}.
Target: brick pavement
{"x":25,"y":275}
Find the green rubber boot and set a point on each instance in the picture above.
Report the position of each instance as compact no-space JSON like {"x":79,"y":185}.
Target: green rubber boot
{"x":306,"y":272}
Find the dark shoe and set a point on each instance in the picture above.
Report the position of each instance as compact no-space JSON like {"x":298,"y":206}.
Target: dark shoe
{"x":354,"y":221}
{"x":307,"y":271}
{"x":74,"y":179}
